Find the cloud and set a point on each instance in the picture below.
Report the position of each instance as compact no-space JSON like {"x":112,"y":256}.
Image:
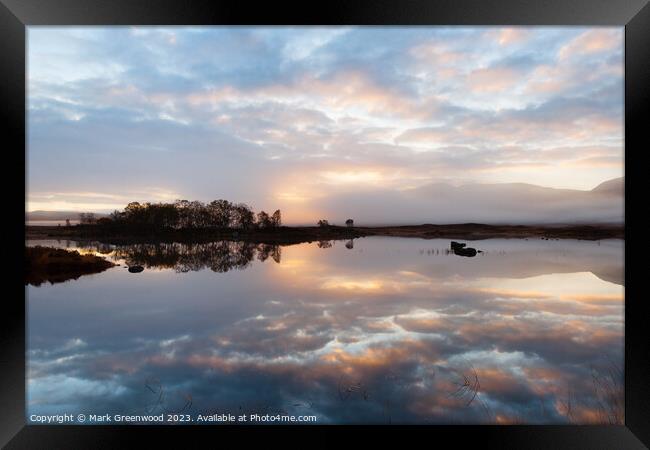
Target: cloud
{"x":509,"y":36}
{"x":497,"y":80}
{"x":293,"y":117}
{"x":592,"y":41}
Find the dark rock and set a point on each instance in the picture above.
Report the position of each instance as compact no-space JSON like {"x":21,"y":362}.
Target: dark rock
{"x":460,"y":249}
{"x":465,"y":251}
{"x":457,"y":245}
{"x":136,"y":269}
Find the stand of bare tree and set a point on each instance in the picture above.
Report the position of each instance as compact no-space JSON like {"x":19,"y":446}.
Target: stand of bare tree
{"x":184,"y":214}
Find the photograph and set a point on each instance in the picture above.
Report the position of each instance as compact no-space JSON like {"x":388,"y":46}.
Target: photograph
{"x":324,"y":225}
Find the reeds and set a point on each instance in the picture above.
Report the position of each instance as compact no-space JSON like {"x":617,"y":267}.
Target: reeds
{"x":468,"y":391}
{"x":607,"y":402}
{"x":160,"y":403}
{"x":609,"y":393}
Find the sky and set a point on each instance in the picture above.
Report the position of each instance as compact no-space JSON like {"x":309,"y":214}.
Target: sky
{"x":378,"y":123}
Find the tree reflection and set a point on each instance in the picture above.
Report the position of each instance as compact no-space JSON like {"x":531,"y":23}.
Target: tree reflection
{"x":219,"y":256}
{"x":266,"y":250}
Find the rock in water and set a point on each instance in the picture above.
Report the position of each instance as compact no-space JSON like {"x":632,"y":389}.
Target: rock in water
{"x":136,"y":269}
{"x":465,"y":251}
{"x":457,"y":245}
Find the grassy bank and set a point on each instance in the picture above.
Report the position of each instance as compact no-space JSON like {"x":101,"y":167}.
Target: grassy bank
{"x":54,"y":265}
{"x":272,"y":236}
{"x":477,"y":231}
{"x":295,"y":235}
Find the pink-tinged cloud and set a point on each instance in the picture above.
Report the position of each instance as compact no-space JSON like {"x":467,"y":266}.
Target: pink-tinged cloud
{"x":509,"y":36}
{"x":313,"y":116}
{"x":492,"y":80}
{"x":592,"y":41}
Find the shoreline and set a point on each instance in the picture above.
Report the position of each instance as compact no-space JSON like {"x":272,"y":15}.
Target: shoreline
{"x":297,"y":235}
{"x":56,"y":265}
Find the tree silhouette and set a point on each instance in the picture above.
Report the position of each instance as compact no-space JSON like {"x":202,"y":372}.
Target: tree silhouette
{"x":276,"y":218}
{"x":263,"y":220}
{"x":221,"y":212}
{"x":185,"y":214}
{"x":87,"y":218}
{"x":244,"y":217}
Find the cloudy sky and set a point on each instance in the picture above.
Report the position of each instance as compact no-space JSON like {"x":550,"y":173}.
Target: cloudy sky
{"x":320,"y":121}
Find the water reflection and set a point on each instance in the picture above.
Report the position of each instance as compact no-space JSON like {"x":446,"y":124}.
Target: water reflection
{"x":383,"y":331}
{"x":219,"y":256}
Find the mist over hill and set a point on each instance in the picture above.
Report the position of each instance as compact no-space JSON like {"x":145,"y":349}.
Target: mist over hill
{"x":506,"y":203}
{"x":439,"y":203}
{"x":614,"y":187}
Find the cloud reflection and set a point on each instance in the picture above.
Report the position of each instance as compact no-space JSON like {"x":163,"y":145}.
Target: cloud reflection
{"x":374,"y":334}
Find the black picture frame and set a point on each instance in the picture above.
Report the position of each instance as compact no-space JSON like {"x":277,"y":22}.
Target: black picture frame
{"x":634,"y":15}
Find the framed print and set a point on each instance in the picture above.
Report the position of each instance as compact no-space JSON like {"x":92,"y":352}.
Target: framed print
{"x":370,"y":216}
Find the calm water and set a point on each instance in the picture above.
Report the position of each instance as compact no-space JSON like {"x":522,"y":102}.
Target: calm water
{"x":383,"y":330}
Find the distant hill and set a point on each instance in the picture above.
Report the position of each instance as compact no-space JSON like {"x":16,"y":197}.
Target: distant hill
{"x":615,"y":186}
{"x":56,"y":215}
{"x":439,"y":203}
{"x":502,"y":203}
